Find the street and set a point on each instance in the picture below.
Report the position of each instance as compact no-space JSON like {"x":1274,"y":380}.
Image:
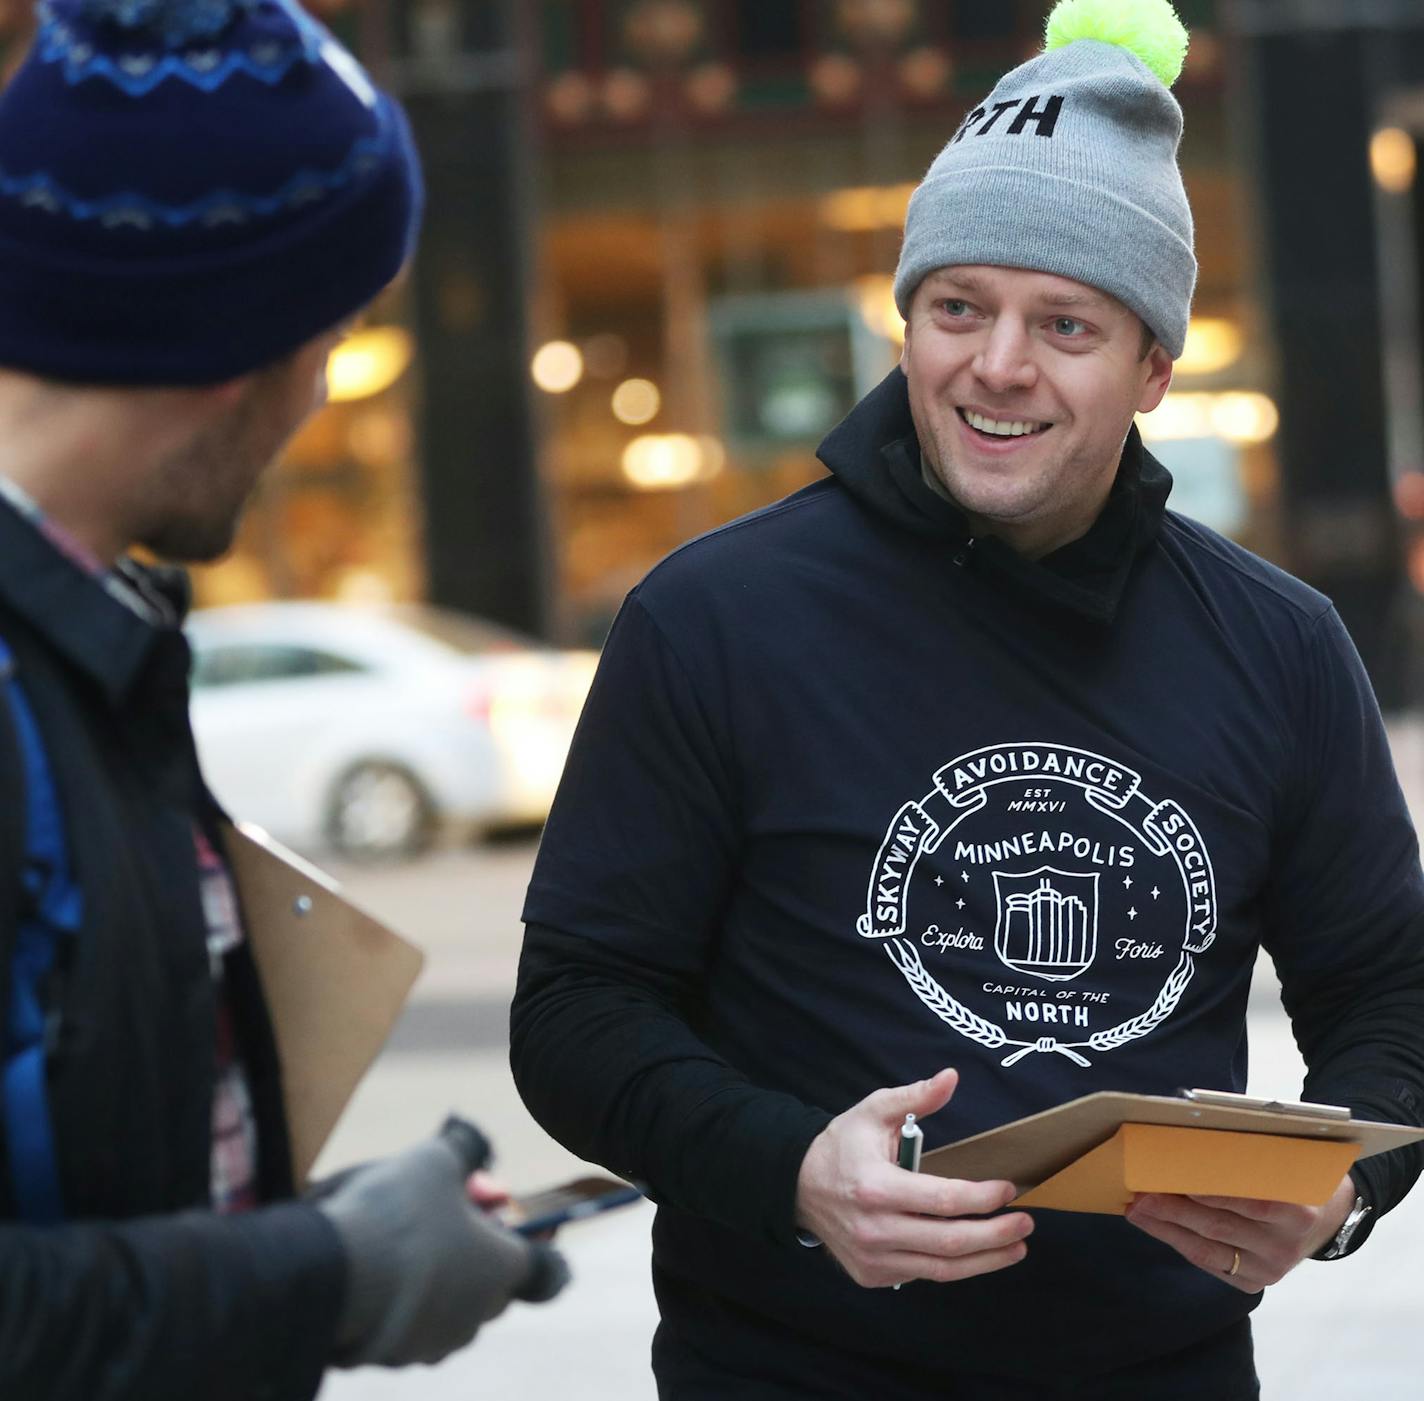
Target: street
{"x":1347,"y":1329}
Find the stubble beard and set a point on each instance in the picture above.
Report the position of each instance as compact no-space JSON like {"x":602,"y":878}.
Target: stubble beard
{"x":199,"y":495}
{"x":1023,"y":498}
{"x":194,"y":541}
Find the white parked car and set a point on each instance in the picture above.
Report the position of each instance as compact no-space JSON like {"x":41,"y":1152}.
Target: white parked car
{"x":369,"y":728}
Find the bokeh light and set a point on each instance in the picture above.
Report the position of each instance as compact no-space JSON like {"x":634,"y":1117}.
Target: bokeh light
{"x":557,"y":366}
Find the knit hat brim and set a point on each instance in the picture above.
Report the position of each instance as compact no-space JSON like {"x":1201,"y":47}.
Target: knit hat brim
{"x":969,"y":217}
{"x":169,"y":331}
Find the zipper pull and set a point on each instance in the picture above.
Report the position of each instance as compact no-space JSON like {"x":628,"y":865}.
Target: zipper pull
{"x":962,"y":558}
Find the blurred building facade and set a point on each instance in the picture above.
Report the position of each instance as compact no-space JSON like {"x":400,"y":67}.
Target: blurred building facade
{"x":657,"y":264}
{"x":722,"y":186}
{"x":1331,"y":99}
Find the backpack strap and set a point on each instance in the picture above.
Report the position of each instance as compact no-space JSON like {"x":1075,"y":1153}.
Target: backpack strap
{"x":50,"y":914}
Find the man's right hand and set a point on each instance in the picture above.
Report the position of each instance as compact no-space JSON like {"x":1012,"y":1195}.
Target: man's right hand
{"x":425,"y":1267}
{"x":886,"y":1225}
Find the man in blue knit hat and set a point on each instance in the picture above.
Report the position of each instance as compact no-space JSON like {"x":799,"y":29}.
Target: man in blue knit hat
{"x":195,"y":197}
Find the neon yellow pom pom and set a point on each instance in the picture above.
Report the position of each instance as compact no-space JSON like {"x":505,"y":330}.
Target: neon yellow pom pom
{"x":1148,"y":28}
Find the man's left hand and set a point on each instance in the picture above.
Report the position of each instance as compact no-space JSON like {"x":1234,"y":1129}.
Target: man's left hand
{"x":1272,"y":1237}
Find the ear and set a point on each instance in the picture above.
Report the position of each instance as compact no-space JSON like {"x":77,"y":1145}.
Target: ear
{"x":225,"y":395}
{"x":199,"y":404}
{"x":1159,"y":379}
{"x":905,"y":352}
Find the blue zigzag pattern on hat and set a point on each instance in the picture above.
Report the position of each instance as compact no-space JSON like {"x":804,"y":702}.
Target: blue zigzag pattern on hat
{"x":205,"y":65}
{"x":127,"y":210}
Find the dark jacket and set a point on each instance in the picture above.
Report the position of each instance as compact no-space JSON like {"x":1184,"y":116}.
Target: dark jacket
{"x":144,"y":1294}
{"x":856,"y":797}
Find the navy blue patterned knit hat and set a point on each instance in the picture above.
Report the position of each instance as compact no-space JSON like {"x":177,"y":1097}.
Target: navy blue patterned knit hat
{"x":191,"y":189}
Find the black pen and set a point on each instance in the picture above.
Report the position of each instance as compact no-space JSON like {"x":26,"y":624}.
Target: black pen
{"x":912,"y":1141}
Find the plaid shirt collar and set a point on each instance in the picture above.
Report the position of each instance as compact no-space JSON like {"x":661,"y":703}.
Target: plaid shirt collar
{"x":125,"y":582}
{"x":106,"y":623}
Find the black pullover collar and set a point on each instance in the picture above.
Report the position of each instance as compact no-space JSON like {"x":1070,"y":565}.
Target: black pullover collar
{"x":875,"y":454}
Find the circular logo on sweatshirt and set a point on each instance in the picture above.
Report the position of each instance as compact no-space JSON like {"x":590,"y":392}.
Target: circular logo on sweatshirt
{"x":1036,"y":900}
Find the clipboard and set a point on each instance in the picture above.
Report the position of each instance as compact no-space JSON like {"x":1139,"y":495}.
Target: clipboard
{"x":334,"y":978}
{"x":1096,"y":1153}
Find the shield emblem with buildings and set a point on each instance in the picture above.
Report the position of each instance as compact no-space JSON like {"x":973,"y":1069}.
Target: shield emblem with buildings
{"x":1046,"y":922}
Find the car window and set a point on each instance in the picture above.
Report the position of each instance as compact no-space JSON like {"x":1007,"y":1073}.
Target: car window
{"x":247,"y":662}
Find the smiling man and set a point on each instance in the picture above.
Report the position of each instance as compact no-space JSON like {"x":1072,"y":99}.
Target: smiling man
{"x":1021,"y":387}
{"x":974,"y":755}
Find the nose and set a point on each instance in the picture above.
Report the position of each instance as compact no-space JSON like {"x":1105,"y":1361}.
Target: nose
{"x":1005,"y":359}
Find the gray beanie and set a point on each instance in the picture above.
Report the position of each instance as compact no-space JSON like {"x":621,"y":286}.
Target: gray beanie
{"x":1069,"y":167}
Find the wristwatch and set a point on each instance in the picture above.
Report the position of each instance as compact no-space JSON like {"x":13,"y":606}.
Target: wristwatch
{"x":1337,"y":1247}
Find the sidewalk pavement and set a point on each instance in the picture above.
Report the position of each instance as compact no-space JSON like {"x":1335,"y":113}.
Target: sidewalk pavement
{"x":1349,"y":1329}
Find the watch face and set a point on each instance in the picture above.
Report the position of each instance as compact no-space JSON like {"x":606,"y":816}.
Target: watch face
{"x":1358,"y":1212}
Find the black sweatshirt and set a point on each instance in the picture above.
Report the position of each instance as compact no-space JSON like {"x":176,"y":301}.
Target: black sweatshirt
{"x":856,"y":797}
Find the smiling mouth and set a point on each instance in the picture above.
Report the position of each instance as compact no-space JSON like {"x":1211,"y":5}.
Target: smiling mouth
{"x":1003,"y":428}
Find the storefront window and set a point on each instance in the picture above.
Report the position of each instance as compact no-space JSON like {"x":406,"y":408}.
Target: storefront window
{"x":723,"y":196}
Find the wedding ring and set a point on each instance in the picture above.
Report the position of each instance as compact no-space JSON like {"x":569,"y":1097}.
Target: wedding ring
{"x":1235,"y":1264}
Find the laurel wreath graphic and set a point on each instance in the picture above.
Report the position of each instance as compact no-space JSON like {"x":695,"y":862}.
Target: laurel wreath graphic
{"x":1158,"y":1012}
{"x":907,"y":959}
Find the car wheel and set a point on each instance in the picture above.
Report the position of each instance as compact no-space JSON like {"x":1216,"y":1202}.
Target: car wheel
{"x":379,"y":810}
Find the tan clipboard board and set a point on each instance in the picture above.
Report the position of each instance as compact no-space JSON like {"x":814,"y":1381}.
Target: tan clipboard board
{"x":334,"y":978}
{"x":1095,"y":1153}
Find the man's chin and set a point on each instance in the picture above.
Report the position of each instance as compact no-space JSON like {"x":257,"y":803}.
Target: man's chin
{"x":191,"y":542}
{"x":977,"y":499}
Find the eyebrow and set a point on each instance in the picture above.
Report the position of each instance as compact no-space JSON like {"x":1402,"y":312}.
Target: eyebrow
{"x":968,"y":282}
{"x":1082,"y":299}
{"x":964,"y":281}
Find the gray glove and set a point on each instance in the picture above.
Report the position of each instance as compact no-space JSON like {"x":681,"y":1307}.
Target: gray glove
{"x":424,"y":1267}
